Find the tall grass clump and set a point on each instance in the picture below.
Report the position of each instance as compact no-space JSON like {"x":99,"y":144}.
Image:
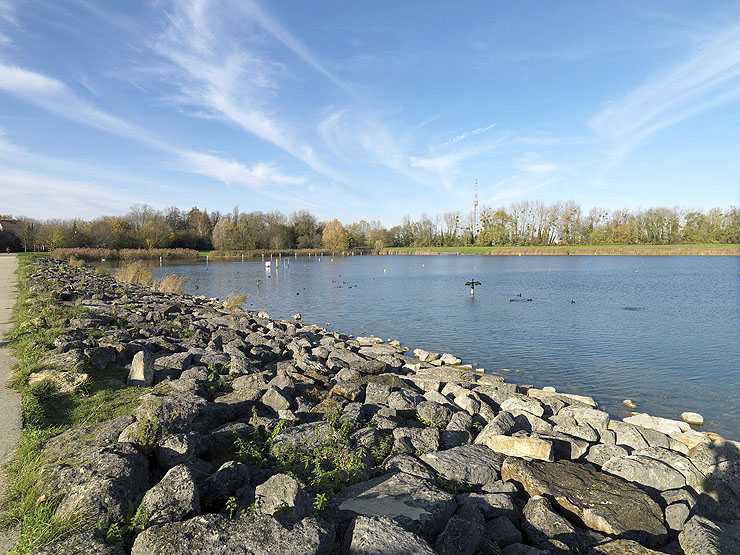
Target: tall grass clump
{"x":234,"y":302}
{"x":135,"y":272}
{"x":171,"y":283}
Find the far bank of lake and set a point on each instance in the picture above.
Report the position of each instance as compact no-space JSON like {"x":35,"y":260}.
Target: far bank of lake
{"x":661,"y":331}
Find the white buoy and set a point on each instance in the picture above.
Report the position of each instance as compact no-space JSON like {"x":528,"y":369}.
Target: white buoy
{"x":206,"y":259}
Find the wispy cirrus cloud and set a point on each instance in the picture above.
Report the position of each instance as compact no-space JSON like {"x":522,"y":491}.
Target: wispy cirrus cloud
{"x":474,"y":132}
{"x":7,"y":18}
{"x":708,"y":77}
{"x":54,"y":96}
{"x":218,"y":70}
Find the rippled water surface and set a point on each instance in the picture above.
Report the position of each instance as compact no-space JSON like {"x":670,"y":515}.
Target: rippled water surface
{"x":662,"y":331}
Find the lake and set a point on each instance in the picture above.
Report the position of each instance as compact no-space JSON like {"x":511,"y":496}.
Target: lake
{"x":663,"y":331}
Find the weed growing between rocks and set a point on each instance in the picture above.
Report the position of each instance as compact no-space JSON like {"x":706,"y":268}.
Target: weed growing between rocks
{"x":328,"y":466}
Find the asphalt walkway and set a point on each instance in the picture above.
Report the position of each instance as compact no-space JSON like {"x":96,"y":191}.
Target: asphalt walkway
{"x":10,"y":400}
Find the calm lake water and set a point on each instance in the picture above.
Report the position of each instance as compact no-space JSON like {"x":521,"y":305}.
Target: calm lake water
{"x":662,"y":331}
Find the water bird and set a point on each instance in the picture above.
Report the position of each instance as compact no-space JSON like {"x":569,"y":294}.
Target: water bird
{"x":518,"y":295}
{"x":572,"y":301}
{"x":472,"y":283}
{"x":529,"y":299}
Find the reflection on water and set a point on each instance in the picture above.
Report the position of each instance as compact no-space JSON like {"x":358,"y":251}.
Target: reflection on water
{"x":662,"y":331}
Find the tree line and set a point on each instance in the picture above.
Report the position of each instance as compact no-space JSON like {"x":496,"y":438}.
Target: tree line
{"x":520,"y":224}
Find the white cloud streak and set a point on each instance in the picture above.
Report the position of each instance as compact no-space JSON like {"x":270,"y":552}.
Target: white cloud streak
{"x":708,"y":77}
{"x":54,"y":96}
{"x":217,"y":72}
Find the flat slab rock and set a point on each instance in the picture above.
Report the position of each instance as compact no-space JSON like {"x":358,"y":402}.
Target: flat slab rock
{"x":602,"y":502}
{"x":414,"y":503}
{"x":215,"y":534}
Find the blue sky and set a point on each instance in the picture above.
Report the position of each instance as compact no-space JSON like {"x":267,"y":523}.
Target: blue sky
{"x":366,"y":110}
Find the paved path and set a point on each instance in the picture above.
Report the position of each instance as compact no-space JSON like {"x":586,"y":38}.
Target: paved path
{"x":10,"y":400}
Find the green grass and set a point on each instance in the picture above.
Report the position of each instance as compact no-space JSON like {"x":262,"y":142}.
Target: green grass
{"x":615,"y":249}
{"x":47,"y":412}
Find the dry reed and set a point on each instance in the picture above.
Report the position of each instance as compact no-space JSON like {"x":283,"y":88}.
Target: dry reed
{"x":171,"y":283}
{"x":135,"y":272}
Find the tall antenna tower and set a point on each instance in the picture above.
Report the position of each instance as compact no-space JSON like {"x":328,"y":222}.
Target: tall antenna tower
{"x":475,"y":210}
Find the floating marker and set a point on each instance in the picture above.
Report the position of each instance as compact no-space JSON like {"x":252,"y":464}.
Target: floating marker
{"x":384,"y":270}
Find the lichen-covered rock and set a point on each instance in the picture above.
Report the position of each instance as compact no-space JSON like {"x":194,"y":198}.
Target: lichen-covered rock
{"x":91,"y":542}
{"x":99,"y":481}
{"x":174,"y":498}
{"x":215,"y":534}
{"x":602,"y":502}
{"x":470,"y":464}
{"x":283,"y":497}
{"x":381,"y":534}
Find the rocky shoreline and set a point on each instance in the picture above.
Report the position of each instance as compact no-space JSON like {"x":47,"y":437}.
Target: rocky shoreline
{"x":258,"y":435}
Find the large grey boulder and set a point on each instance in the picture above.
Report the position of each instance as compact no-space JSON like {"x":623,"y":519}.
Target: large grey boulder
{"x":414,"y":503}
{"x":599,"y":454}
{"x":415,"y":440}
{"x":459,"y":537}
{"x":601,"y":501}
{"x":471,"y":464}
{"x":545,"y":528}
{"x":304,"y":437}
{"x":283,"y":497}
{"x":490,"y":505}
{"x":223,"y":483}
{"x":503,"y":424}
{"x":434,"y":413}
{"x":657,"y":468}
{"x":458,"y":431}
{"x":382,"y":534}
{"x":719,"y":494}
{"x":175,"y":449}
{"x":216,"y":534}
{"x":174,"y":498}
{"x":499,"y":532}
{"x":158,"y":416}
{"x":701,"y":536}
{"x":99,"y":481}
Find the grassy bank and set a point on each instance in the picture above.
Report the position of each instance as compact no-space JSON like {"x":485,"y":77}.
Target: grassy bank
{"x":38,"y":320}
{"x":611,"y":250}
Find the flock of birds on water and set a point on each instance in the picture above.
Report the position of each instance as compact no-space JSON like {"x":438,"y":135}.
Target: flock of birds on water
{"x":472,"y":283}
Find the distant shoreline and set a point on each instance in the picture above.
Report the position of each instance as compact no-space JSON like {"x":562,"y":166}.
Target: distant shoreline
{"x":590,"y":250}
